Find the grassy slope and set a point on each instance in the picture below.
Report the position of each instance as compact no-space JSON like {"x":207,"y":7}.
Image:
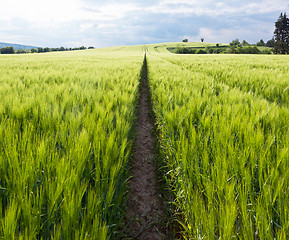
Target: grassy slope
{"x":160,"y":47}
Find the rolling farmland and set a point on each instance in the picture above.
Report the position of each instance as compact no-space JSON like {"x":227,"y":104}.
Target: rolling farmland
{"x":67,"y":129}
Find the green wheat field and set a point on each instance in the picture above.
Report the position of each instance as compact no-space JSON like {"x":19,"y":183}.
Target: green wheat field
{"x":67,"y":127}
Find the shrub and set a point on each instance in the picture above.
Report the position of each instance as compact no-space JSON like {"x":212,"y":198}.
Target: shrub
{"x":201,"y":51}
{"x":186,"y":51}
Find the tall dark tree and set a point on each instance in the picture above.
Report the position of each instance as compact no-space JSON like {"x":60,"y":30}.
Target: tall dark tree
{"x":281,"y":35}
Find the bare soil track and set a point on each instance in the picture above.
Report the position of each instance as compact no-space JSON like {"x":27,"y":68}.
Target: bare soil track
{"x":145,"y":211}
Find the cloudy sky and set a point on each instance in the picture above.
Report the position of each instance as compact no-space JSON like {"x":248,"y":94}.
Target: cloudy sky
{"x":72,"y":23}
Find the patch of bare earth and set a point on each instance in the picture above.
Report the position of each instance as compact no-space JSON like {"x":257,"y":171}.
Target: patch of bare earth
{"x":145,"y":209}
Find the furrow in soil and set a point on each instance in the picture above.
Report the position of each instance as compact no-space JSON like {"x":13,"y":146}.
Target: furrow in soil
{"x":145,"y":209}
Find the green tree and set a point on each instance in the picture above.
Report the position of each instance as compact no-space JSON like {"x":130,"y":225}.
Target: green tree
{"x":7,"y":50}
{"x":270,"y":43}
{"x":253,"y":50}
{"x":201,"y":51}
{"x":235,"y":43}
{"x":281,"y":34}
{"x":20,"y":51}
{"x":47,"y":49}
{"x":185,"y":40}
{"x":245,"y":43}
{"x":33,"y":50}
{"x":261,"y":43}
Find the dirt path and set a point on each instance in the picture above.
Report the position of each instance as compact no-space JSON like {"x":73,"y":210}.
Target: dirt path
{"x":144,"y":209}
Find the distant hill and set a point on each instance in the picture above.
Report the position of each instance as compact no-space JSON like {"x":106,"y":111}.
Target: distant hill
{"x":16,"y":46}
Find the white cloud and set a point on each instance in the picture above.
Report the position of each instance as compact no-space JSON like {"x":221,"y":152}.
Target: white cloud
{"x":54,"y":12}
{"x":60,"y":22}
{"x":225,"y":35}
{"x":106,"y":12}
{"x":86,"y":26}
{"x":40,"y":10}
{"x":213,"y":8}
{"x":266,"y":6}
{"x":106,"y":25}
{"x":50,"y":13}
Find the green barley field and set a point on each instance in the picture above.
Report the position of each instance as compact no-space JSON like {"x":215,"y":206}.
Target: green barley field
{"x":66,"y":135}
{"x":67,"y":127}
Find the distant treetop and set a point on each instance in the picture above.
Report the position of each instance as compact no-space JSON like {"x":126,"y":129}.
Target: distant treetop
{"x":7,"y":50}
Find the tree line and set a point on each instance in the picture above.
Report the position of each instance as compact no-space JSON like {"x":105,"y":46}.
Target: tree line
{"x":11,"y":50}
{"x":279,"y":44}
{"x":229,"y":49}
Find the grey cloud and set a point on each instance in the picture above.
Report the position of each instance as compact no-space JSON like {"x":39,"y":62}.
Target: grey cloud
{"x":148,"y":23}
